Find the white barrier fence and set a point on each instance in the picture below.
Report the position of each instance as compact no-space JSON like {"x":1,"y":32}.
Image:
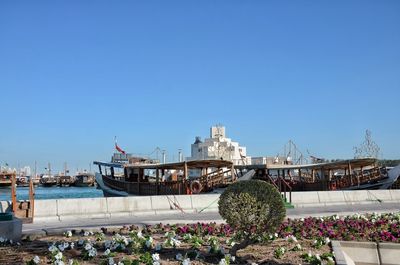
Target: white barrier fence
{"x":62,"y":209}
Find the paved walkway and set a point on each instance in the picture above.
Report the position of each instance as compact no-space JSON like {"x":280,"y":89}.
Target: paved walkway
{"x":212,"y":216}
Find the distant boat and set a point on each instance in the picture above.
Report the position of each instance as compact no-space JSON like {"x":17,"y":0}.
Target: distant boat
{"x":84,"y":180}
{"x":5,"y":177}
{"x":22,"y":181}
{"x":35,"y":179}
{"x":66,"y":180}
{"x":48,"y":180}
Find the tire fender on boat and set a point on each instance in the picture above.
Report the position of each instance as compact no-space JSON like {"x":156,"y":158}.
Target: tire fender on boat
{"x":195,"y":187}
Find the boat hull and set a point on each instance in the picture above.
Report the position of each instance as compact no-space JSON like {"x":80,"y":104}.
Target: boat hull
{"x":5,"y":183}
{"x":83,"y":184}
{"x":49,"y":184}
{"x":117,"y":188}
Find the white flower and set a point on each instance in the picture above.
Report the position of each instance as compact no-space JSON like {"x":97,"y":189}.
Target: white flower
{"x":156,"y":263}
{"x":88,"y":246}
{"x":149,"y":243}
{"x":222,"y":262}
{"x":70,"y":262}
{"x":107,"y":252}
{"x":61,"y":247}
{"x":139,"y":234}
{"x":276,"y":235}
{"x":291,"y":238}
{"x":327,"y":240}
{"x":59,"y":262}
{"x":58,"y":256}
{"x":186,"y":261}
{"x":86,"y":233}
{"x":36,"y":259}
{"x":68,"y":234}
{"x":330,"y":259}
{"x":120,"y":263}
{"x":92,"y":252}
{"x":53,"y":249}
{"x":111,"y":261}
{"x":317,"y":257}
{"x":71,"y":245}
{"x":179,"y":256}
{"x":176,"y":242}
{"x":155,"y":257}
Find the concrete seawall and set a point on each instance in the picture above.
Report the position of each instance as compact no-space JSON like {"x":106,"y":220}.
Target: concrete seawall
{"x":64,"y":209}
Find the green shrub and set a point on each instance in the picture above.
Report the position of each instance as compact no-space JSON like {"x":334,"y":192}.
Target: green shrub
{"x":253,"y":208}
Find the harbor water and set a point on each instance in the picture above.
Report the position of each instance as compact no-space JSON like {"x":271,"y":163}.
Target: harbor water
{"x":42,"y":193}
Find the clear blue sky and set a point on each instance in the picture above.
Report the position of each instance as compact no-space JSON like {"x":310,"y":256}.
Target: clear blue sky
{"x":73,"y":74}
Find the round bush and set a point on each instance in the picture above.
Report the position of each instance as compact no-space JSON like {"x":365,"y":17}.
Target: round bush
{"x":252,"y":206}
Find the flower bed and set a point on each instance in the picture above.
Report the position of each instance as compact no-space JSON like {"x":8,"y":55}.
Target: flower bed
{"x":297,"y":241}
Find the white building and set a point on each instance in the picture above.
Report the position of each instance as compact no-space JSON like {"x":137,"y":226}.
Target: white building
{"x":218,"y":146}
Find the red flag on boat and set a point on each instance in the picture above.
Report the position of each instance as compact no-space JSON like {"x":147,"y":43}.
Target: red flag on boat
{"x":119,"y":149}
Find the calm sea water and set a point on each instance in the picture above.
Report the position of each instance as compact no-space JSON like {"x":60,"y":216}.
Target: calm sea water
{"x":42,"y":193}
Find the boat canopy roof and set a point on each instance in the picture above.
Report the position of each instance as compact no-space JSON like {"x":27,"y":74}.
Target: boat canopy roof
{"x":178,"y":165}
{"x":107,"y":164}
{"x":355,"y":163}
{"x":181,"y":165}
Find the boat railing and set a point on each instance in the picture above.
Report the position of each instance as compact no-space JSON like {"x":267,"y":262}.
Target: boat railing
{"x":285,"y":188}
{"x":282,"y":185}
{"x":215,"y":179}
{"x":357,"y":178}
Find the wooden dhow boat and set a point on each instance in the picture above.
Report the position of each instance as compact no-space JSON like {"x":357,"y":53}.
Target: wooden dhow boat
{"x":65,"y":180}
{"x":22,"y":181}
{"x":5,"y":178}
{"x":47,"y":180}
{"x":352,"y":174}
{"x":84,"y":180}
{"x":189,"y":177}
